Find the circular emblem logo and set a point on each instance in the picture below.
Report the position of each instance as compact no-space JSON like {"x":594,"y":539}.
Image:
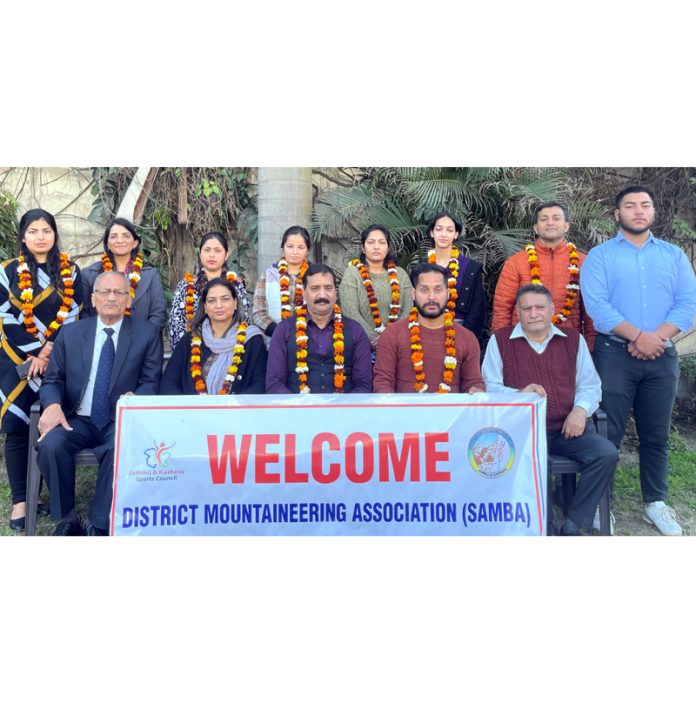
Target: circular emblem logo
{"x":491,"y":452}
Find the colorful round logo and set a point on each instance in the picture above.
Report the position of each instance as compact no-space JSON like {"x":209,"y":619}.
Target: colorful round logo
{"x":491,"y":452}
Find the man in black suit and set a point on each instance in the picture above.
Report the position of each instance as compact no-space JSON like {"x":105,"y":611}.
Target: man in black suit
{"x":93,"y":363}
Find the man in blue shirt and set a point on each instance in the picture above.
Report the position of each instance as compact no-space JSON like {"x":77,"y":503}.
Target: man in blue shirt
{"x":640,"y":292}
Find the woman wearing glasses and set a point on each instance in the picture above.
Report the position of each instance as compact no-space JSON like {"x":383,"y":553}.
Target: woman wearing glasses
{"x":222,"y":354}
{"x":122,"y":253}
{"x":40,"y":291}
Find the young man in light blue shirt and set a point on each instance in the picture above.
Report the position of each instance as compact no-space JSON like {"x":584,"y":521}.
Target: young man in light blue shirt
{"x":640,"y":292}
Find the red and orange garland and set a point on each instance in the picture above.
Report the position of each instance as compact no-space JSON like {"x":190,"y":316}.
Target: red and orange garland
{"x":27,"y":296}
{"x":190,"y":297}
{"x":450,"y":362}
{"x":301,"y":340}
{"x":237,"y":354}
{"x":573,"y":287}
{"x":453,"y":267}
{"x":285,"y":308}
{"x":394,"y":305}
{"x":133,"y":276}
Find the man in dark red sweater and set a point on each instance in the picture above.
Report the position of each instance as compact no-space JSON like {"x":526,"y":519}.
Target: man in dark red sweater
{"x":535,"y":356}
{"x":428,"y":351}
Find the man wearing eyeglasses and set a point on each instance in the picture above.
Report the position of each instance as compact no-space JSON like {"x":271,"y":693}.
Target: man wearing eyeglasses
{"x":96,"y":362}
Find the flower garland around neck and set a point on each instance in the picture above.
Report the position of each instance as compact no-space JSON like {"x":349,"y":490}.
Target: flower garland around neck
{"x":285,"y":307}
{"x":394,"y":304}
{"x":301,"y":340}
{"x":573,"y":286}
{"x":231,"y":375}
{"x":190,"y":296}
{"x":27,"y":296}
{"x":450,"y":361}
{"x":453,"y":267}
{"x":135,"y":265}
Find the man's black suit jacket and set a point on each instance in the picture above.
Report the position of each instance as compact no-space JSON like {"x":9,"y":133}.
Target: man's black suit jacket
{"x":137,"y":366}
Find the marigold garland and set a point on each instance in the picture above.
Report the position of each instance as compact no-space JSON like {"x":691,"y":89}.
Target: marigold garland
{"x":450,"y":361}
{"x":301,"y":340}
{"x":453,"y":267}
{"x":132,"y":272}
{"x":394,"y":305}
{"x":285,"y":308}
{"x":26,"y":295}
{"x":190,"y":297}
{"x":231,"y":375}
{"x":573,"y":286}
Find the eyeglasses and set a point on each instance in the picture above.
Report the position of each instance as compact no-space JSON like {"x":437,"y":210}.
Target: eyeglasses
{"x":106,"y":291}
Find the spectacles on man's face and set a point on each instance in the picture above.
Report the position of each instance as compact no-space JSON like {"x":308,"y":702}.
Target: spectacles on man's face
{"x":104,"y":292}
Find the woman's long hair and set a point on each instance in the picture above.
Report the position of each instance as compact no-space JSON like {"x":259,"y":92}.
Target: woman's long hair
{"x":53,"y":256}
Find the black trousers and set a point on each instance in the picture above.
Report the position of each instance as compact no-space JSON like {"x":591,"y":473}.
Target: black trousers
{"x":598,"y":458}
{"x":16,"y":458}
{"x":56,"y":456}
{"x":649,"y":387}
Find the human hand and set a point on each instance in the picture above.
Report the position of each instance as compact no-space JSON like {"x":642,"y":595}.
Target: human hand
{"x":45,"y":352}
{"x":38,"y":366}
{"x":51,"y":417}
{"x":649,"y":344}
{"x":574,"y":424}
{"x":476,"y":389}
{"x":534,"y":388}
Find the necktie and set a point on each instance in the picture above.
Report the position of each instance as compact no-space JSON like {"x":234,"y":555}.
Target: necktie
{"x":100,"y":395}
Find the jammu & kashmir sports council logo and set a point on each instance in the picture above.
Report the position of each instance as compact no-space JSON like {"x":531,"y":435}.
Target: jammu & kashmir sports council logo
{"x":158,"y":456}
{"x":491,"y":452}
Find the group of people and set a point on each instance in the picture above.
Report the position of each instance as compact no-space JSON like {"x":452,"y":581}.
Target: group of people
{"x":580,"y":331}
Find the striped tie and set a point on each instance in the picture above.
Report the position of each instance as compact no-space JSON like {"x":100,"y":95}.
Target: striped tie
{"x":100,"y":395}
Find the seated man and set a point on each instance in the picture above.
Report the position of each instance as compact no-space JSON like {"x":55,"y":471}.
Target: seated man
{"x":428,"y":352}
{"x":94,"y":362}
{"x":535,"y":356}
{"x":318,"y":350}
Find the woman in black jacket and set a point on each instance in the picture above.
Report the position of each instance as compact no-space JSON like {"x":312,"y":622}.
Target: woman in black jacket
{"x":221,"y":354}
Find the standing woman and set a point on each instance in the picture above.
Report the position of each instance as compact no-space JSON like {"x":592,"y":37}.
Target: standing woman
{"x":222,"y":354}
{"x":374,"y":291}
{"x":122,"y":253}
{"x":279,"y":290}
{"x":467,"y":298}
{"x":40,"y":291}
{"x":212,"y":253}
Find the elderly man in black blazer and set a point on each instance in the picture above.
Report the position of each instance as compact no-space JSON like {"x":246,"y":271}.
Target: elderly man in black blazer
{"x":93,"y":363}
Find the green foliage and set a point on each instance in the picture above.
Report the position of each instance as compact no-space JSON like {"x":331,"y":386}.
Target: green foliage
{"x":9,"y":227}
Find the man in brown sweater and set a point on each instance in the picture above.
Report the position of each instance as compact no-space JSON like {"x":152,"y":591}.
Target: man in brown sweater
{"x":428,"y":352}
{"x":535,"y":356}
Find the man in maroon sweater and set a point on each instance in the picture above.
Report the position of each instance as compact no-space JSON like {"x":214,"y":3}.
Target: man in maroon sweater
{"x":412,"y":355}
{"x":535,"y":356}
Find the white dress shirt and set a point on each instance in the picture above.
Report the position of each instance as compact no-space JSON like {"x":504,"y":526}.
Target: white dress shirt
{"x":85,"y":407}
{"x":588,"y":387}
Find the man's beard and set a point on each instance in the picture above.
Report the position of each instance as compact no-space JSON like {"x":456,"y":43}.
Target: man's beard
{"x":632,"y":230}
{"x":431,"y":315}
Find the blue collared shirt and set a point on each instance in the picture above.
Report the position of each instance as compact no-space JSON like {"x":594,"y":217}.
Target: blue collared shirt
{"x":588,"y":387}
{"x":644,"y":286}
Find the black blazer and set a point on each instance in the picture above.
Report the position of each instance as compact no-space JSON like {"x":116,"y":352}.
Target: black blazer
{"x":251,"y":378}
{"x":137,"y":366}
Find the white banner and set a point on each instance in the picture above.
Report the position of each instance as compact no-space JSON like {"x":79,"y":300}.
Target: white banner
{"x":401,"y":464}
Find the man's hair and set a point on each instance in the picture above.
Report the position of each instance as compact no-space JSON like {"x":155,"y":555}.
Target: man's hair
{"x":533,"y":288}
{"x":438,"y":216}
{"x":550,"y":203}
{"x":314,"y":269}
{"x":95,"y":285}
{"x":632,"y":189}
{"x":428,"y":268}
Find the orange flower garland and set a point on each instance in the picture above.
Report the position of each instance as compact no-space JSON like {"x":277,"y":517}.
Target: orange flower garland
{"x":135,"y":265}
{"x":301,"y":340}
{"x":26,"y":295}
{"x":285,"y":307}
{"x":450,"y":361}
{"x":573,"y":286}
{"x":453,"y":267}
{"x":190,"y":298}
{"x":394,"y":305}
{"x":237,"y":354}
